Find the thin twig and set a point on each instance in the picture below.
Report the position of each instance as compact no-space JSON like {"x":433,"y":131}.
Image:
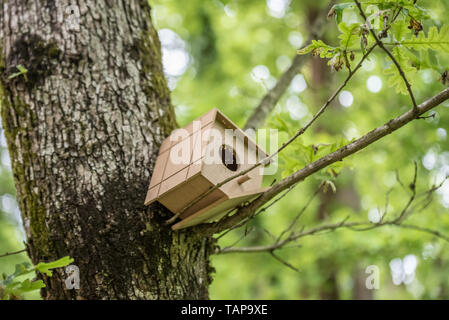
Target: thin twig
{"x":387,"y":200}
{"x":283,"y":261}
{"x":12,"y":253}
{"x":403,"y":214}
{"x":274,"y":201}
{"x":300,"y":213}
{"x":241,"y":238}
{"x":398,"y":179}
{"x":398,"y":66}
{"x":269,"y":233}
{"x":243,"y":222}
{"x":425,"y":230}
{"x":428,"y":117}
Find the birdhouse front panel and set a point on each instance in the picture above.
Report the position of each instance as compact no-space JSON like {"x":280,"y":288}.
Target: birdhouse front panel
{"x":198,"y":157}
{"x":228,"y":154}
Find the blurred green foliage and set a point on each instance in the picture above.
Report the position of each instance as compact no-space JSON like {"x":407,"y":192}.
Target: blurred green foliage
{"x":11,"y":234}
{"x":227,"y":54}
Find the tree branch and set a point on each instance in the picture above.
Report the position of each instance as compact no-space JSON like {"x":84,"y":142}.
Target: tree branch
{"x":329,"y":227}
{"x":293,"y":237}
{"x":354,"y":226}
{"x":340,"y":154}
{"x":269,"y":101}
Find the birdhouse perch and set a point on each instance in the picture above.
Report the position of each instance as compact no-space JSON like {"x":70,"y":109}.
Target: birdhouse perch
{"x":198,"y":157}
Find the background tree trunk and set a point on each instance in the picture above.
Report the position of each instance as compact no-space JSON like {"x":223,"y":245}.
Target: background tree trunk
{"x":83,"y":127}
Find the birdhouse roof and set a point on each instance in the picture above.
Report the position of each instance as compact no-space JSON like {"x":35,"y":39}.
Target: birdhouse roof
{"x":212,"y":116}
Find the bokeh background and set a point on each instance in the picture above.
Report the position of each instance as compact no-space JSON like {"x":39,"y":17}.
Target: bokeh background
{"x":227,"y":54}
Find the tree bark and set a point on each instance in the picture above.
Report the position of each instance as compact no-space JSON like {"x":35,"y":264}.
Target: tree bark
{"x":83,"y":127}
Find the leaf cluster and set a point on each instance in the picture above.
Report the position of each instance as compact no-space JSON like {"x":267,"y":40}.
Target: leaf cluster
{"x":400,"y":25}
{"x":12,"y":287}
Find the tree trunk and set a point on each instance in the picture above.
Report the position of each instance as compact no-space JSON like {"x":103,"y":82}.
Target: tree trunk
{"x":83,"y":126}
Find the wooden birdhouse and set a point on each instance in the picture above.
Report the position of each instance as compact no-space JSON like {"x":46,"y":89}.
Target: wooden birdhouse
{"x":198,"y":157}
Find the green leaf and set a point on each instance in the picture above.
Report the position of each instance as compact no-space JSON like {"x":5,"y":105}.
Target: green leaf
{"x":426,"y":63}
{"x":281,"y":125}
{"x":400,"y":30}
{"x":10,"y":287}
{"x":319,"y":48}
{"x":349,"y":35}
{"x":22,"y":71}
{"x":375,"y":17}
{"x":435,"y":40}
{"x":330,"y":184}
{"x":20,"y":270}
{"x":45,"y":267}
{"x":27,"y":285}
{"x":337,"y":10}
{"x":395,"y":79}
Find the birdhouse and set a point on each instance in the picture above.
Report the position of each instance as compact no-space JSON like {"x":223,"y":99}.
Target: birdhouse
{"x":198,"y":157}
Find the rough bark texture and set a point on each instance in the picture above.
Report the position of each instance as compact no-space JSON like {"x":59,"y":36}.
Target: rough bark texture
{"x":83,"y":127}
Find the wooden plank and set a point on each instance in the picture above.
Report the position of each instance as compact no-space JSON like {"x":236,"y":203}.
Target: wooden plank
{"x":152,"y":194}
{"x":159,"y":168}
{"x":173,"y":181}
{"x":216,"y":209}
{"x":180,"y":196}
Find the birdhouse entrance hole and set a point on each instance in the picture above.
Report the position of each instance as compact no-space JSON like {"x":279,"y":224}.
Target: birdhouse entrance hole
{"x":228,"y":157}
